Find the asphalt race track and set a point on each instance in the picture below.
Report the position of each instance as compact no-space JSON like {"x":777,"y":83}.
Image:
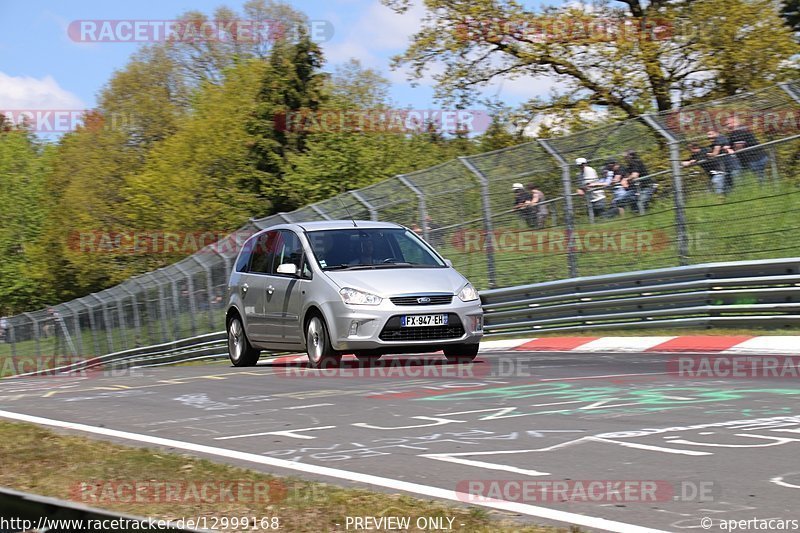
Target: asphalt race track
{"x":718,"y":448}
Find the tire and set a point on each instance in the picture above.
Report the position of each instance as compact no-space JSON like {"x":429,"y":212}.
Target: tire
{"x":240,"y":351}
{"x":461,"y":353}
{"x":318,"y":344}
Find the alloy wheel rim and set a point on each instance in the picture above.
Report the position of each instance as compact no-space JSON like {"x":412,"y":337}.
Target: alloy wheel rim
{"x":314,"y":340}
{"x":235,"y":340}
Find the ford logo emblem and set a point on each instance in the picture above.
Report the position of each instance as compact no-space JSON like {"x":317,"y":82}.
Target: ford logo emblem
{"x":423,"y":300}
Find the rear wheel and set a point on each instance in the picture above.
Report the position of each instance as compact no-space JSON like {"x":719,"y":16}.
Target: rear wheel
{"x":318,"y":344}
{"x":240,"y":352}
{"x":461,"y":353}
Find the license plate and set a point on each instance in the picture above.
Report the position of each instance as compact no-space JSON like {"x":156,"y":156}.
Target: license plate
{"x":413,"y":321}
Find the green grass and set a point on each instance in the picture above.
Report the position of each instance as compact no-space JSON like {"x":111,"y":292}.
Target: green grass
{"x":754,"y":222}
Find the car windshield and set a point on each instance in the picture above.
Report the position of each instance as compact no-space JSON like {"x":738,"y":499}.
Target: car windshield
{"x":371,"y":248}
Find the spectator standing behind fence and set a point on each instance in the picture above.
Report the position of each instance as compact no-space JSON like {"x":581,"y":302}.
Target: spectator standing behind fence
{"x":623,"y":189}
{"x":713,"y":166}
{"x":522,"y":204}
{"x":3,"y":329}
{"x":741,"y":137}
{"x":643,"y":184}
{"x":594,"y":186}
{"x":719,"y":147}
{"x":538,"y":205}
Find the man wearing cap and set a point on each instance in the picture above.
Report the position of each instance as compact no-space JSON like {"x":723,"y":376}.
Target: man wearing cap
{"x":593,"y":186}
{"x":522,"y":204}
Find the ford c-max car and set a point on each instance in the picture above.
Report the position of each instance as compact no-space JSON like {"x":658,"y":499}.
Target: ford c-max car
{"x":335,"y":287}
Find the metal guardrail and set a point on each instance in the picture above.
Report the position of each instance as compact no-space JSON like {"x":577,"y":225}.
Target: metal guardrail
{"x":753,"y":293}
{"x":745,"y":293}
{"x":43,"y":512}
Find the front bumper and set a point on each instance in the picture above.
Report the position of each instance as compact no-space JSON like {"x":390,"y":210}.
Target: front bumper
{"x":364,"y":327}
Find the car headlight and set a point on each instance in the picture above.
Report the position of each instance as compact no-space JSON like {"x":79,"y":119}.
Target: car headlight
{"x":357,"y":297}
{"x":468,"y":293}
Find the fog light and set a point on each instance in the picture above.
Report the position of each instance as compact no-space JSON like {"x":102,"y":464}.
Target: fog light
{"x":353,"y":328}
{"x":476,"y":323}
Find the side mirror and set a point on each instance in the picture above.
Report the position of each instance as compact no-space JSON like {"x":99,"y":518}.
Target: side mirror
{"x":287,"y":268}
{"x":448,"y":263}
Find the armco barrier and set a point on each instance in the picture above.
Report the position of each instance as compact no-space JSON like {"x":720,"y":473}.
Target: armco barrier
{"x":753,"y":293}
{"x":743,"y":293}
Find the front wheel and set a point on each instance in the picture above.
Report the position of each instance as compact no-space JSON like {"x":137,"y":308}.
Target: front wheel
{"x":240,"y":352}
{"x":461,"y":353}
{"x":318,"y":345}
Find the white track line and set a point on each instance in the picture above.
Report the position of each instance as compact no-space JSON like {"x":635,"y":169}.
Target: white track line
{"x":394,"y":484}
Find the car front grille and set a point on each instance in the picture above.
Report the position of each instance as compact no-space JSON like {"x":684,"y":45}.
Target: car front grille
{"x":392,"y":331}
{"x":437,"y":299}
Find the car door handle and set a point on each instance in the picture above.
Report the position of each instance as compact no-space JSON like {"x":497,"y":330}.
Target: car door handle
{"x":244,"y":288}
{"x":270,"y":290}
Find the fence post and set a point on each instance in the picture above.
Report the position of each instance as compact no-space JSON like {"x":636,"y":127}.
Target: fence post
{"x":373,"y":213}
{"x":569,"y":215}
{"x":320,"y":212}
{"x":788,"y":89}
{"x":123,"y":324}
{"x":137,"y":321}
{"x":487,"y":219}
{"x":12,"y":338}
{"x":422,"y":207}
{"x":35,"y":330}
{"x":76,"y":325}
{"x":162,"y":307}
{"x":106,"y":322}
{"x":92,"y":325}
{"x":677,"y":185}
{"x":190,"y":289}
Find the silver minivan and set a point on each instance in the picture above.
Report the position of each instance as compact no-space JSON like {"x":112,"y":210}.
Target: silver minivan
{"x":336,"y":287}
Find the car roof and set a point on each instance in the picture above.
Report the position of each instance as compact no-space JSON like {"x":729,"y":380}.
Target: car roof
{"x":344,"y":224}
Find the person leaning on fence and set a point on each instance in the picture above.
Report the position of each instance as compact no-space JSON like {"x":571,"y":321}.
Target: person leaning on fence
{"x":719,"y":147}
{"x":643,"y":184}
{"x":538,"y":205}
{"x":623,"y":190}
{"x":522,"y":204}
{"x":712,"y":166}
{"x":593,"y":186}
{"x":741,"y":137}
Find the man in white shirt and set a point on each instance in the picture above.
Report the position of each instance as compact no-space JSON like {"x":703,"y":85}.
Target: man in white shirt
{"x":594,"y":186}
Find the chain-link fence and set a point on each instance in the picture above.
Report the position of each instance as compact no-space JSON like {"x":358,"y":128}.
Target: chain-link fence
{"x":712,"y":182}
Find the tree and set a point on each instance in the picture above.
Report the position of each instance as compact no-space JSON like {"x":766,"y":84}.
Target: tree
{"x":291,"y":83}
{"x":791,"y":12}
{"x":23,"y":166}
{"x":632,"y":56}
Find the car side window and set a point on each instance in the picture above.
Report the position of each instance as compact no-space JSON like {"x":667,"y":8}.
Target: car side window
{"x":263,"y":253}
{"x":244,"y":258}
{"x":289,"y":249}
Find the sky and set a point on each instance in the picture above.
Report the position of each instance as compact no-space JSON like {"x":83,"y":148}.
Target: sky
{"x":41,"y":67}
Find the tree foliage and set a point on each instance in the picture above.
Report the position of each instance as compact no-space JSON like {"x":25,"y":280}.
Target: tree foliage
{"x":654,"y":55}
